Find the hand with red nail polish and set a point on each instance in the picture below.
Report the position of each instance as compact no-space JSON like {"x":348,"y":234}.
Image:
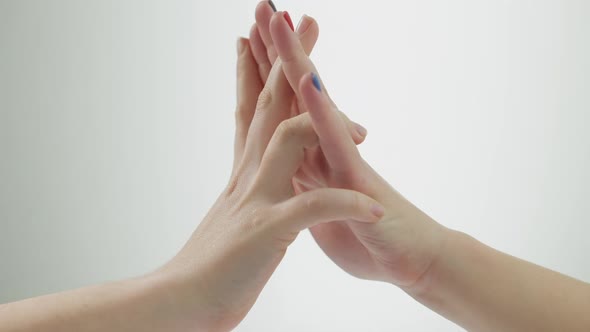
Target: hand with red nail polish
{"x":236,"y":248}
{"x":212,"y":283}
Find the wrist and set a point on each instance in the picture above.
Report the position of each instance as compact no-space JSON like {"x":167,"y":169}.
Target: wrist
{"x":195,"y":290}
{"x":439,"y":252}
{"x":434,"y":287}
{"x":186,"y":303}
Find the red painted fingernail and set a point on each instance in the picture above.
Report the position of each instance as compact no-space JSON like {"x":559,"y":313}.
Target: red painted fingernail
{"x":288,"y":19}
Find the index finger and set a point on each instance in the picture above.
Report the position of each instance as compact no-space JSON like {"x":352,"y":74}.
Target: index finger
{"x":337,"y":145}
{"x":295,"y":61}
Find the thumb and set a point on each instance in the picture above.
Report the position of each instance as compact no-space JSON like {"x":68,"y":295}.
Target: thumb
{"x":325,"y":205}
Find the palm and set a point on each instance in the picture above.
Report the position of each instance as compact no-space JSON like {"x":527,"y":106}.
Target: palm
{"x":337,"y":239}
{"x":357,"y":248}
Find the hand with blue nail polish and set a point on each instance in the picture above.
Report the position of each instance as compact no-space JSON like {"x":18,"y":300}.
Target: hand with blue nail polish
{"x":471,"y":284}
{"x":235,"y":249}
{"x":212,"y":283}
{"x":401,"y":247}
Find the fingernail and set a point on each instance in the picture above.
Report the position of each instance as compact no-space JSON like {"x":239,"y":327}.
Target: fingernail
{"x":360,"y":129}
{"x":316,"y":82}
{"x":378,"y":210}
{"x":288,"y":19}
{"x":272,"y":5}
{"x":304,"y":24}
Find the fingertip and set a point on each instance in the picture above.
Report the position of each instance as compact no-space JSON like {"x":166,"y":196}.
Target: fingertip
{"x":272,"y":5}
{"x":362,"y":131}
{"x":304,"y":81}
{"x":281,"y":30}
{"x":311,"y":91}
{"x":242,"y":45}
{"x":374,"y":210}
{"x":357,"y":138}
{"x":275,"y":22}
{"x":263,"y":8}
{"x":311,"y":83}
{"x":305,"y":24}
{"x":378,"y":211}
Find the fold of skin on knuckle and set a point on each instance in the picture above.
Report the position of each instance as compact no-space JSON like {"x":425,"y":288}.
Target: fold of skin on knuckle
{"x":268,"y":227}
{"x":242,"y":179}
{"x":265,"y":99}
{"x":315,"y":203}
{"x":298,"y":131}
{"x":289,"y":131}
{"x":232,"y":185}
{"x":280,"y":228}
{"x":257,"y":220}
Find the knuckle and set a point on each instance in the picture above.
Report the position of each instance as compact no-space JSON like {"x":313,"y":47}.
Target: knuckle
{"x":294,"y":127}
{"x":287,"y":130}
{"x":355,"y":201}
{"x":314,"y":202}
{"x":258,"y":220}
{"x":264,"y":99}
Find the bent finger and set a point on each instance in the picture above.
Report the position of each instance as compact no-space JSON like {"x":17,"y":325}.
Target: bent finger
{"x":325,"y":205}
{"x":285,"y":154}
{"x":274,"y":104}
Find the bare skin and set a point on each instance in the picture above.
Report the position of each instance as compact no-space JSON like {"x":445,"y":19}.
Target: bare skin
{"x":467,"y":282}
{"x":212,"y":283}
{"x":297,"y":167}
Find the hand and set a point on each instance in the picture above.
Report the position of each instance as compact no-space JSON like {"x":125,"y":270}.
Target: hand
{"x":265,"y":53}
{"x":238,"y":245}
{"x":399,"y":249}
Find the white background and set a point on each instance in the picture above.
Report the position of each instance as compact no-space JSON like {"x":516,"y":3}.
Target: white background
{"x":116,"y":131}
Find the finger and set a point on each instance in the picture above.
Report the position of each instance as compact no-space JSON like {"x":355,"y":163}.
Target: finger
{"x":357,"y":132}
{"x":263,"y":14}
{"x":296,"y":62}
{"x":274,"y":103}
{"x":284,"y":156}
{"x":338,"y":147}
{"x":263,"y":18}
{"x":259,"y":52}
{"x":277,"y":84}
{"x":325,"y":205}
{"x":248,"y":89}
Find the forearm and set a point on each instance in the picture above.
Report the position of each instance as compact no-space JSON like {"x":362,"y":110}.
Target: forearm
{"x":143,"y":304}
{"x":483,"y":289}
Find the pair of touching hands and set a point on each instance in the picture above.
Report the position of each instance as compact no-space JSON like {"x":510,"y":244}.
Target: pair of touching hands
{"x":296,"y":167}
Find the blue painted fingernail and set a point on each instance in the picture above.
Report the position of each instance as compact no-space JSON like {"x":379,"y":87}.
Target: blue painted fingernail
{"x":316,"y":82}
